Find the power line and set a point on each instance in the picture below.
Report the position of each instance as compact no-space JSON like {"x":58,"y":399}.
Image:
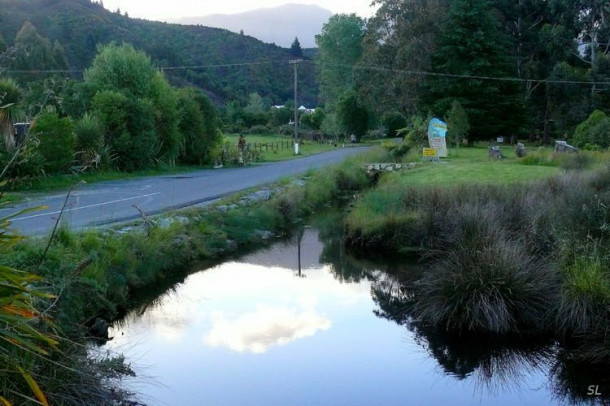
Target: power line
{"x":163,"y":68}
{"x":353,"y":67}
{"x":226,"y":65}
{"x":475,"y":77}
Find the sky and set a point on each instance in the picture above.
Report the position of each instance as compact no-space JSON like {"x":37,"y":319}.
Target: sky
{"x":167,"y":10}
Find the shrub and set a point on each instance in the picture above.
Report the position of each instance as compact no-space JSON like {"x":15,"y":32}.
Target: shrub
{"x":538,"y":157}
{"x":129,"y":128}
{"x":89,"y":140}
{"x":393,"y":122}
{"x":57,"y":141}
{"x":594,"y":130}
{"x":416,"y":132}
{"x":258,"y":129}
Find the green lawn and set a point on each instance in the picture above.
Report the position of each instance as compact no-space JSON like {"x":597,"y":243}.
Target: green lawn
{"x":473,"y":165}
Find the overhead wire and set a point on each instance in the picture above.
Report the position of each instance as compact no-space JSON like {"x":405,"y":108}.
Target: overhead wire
{"x":352,"y":67}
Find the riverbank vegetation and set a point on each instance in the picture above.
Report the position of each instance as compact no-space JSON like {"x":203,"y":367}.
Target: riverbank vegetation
{"x":504,"y":258}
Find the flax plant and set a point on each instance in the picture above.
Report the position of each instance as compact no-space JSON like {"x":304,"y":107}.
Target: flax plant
{"x":20,"y":334}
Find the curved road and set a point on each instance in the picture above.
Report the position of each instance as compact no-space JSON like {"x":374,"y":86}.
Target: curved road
{"x":108,"y":202}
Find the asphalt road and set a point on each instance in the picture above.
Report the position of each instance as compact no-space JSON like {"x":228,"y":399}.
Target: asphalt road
{"x":113,"y":201}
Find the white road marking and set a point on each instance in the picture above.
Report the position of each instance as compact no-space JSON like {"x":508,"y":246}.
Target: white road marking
{"x":84,"y":207}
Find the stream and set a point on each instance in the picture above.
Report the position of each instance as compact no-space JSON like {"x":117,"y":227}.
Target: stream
{"x":304,"y":323}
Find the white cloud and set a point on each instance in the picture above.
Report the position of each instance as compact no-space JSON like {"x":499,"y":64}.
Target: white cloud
{"x":267,"y":327}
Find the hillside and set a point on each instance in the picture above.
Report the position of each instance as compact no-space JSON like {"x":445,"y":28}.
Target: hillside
{"x":279,"y":25}
{"x":227,"y":65}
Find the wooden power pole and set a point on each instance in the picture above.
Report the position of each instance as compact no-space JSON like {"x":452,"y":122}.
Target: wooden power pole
{"x":295,"y":63}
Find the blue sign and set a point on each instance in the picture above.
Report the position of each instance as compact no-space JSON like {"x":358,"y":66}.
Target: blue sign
{"x":437,"y":128}
{"x":436,"y":137}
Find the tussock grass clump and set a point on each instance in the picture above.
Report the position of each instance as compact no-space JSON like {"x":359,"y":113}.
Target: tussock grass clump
{"x":486,"y":281}
{"x":574,"y":162}
{"x":570,"y":162}
{"x":538,"y":157}
{"x":500,"y":259}
{"x":584,"y":305}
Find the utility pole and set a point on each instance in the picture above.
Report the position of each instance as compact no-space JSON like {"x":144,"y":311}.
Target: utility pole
{"x":295,"y":62}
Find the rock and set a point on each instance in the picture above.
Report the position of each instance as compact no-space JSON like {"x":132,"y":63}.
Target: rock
{"x":165,"y":223}
{"x":125,"y":230}
{"x":182,"y":219}
{"x":259,"y":195}
{"x":495,"y":152}
{"x":232,"y":245}
{"x":563,"y":147}
{"x":226,"y":207}
{"x":99,"y":329}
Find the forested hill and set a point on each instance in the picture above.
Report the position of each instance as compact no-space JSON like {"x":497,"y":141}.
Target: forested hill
{"x":227,"y":65}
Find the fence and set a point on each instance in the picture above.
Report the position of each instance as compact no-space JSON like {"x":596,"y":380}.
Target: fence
{"x":271,"y":146}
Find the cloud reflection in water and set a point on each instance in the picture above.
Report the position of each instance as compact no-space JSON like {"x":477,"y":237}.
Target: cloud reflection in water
{"x":264,"y":328}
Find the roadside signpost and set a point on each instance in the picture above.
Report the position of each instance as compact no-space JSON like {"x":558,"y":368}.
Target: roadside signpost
{"x":437,"y":130}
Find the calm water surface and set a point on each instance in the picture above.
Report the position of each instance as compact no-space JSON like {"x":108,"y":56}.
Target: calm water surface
{"x":255,"y":332}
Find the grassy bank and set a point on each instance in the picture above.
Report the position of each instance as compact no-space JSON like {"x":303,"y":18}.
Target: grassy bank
{"x":512,"y":257}
{"x":95,"y":274}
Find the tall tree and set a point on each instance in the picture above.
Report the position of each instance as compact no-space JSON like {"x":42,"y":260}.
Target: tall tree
{"x":122,"y":75}
{"x":457,"y":124}
{"x":295,"y":48}
{"x":121,"y":68}
{"x":352,"y":115}
{"x":200,"y":126}
{"x":340,"y":48}
{"x":472,"y":49}
{"x":400,"y":39}
{"x":543,"y":35}
{"x":34,"y":52}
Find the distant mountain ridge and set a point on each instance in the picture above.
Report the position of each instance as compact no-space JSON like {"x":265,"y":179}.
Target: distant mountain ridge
{"x":279,"y":25}
{"x":226,"y":65}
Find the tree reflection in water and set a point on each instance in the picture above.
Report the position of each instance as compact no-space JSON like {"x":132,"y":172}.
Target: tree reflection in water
{"x":496,"y":362}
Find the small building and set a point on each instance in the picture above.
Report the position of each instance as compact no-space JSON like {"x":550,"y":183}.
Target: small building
{"x":305,"y":110}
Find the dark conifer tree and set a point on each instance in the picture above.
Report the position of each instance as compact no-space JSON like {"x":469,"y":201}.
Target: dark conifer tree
{"x":295,"y":48}
{"x":473,"y":60}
